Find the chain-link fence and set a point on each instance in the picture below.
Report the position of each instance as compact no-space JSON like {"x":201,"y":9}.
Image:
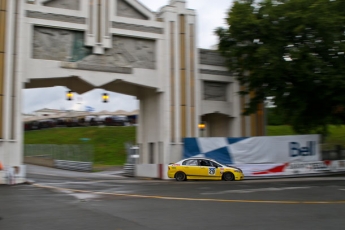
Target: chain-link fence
{"x":81,"y":152}
{"x":332,"y":152}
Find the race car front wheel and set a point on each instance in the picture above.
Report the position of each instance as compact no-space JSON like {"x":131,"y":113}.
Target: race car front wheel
{"x":180,"y":176}
{"x":228,"y":176}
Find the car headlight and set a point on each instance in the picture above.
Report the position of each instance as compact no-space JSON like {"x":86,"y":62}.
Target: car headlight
{"x":238,"y":170}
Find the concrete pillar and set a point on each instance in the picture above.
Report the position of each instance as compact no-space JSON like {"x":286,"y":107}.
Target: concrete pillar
{"x":11,"y":130}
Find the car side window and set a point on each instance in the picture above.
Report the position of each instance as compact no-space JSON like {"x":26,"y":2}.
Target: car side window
{"x":190,"y":162}
{"x":204,"y":163}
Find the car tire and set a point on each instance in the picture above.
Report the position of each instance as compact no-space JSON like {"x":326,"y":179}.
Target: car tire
{"x":228,"y":176}
{"x":180,"y":176}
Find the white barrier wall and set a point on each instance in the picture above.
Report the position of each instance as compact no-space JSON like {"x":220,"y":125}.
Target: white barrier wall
{"x":292,"y":169}
{"x":255,"y":150}
{"x":147,"y":170}
{"x":251,"y":171}
{"x":158,"y":171}
{"x":257,"y":157}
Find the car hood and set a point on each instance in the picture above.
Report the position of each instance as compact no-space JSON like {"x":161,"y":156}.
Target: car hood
{"x":230,"y":166}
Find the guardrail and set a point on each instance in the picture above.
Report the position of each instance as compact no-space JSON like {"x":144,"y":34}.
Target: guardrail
{"x":129,"y":170}
{"x":73,"y":165}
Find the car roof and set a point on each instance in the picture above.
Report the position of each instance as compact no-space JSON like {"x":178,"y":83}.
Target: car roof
{"x":198,"y":158}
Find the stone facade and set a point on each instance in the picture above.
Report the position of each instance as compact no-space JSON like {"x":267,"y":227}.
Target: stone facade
{"x":124,"y":9}
{"x":64,"y":4}
{"x":55,"y":17}
{"x":96,"y":67}
{"x":215,"y":72}
{"x":215,"y":91}
{"x":126,"y":26}
{"x":211,"y":57}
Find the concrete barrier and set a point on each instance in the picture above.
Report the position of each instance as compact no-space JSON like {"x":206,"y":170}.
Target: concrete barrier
{"x":156,"y":171}
{"x":73,"y":165}
{"x":147,"y":170}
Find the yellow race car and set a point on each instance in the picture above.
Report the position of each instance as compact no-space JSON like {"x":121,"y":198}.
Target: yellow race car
{"x":203,"y":169}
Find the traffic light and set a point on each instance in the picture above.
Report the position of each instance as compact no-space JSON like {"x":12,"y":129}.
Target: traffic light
{"x":202,"y":126}
{"x":69,"y":95}
{"x":105,"y":97}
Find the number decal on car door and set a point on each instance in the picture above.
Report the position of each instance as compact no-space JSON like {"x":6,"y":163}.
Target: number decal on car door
{"x":211,"y":171}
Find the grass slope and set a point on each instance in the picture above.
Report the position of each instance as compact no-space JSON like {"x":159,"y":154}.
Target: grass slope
{"x":108,"y":142}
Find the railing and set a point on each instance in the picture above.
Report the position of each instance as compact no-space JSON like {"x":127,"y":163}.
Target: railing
{"x":333,"y":152}
{"x":72,"y":157}
{"x":132,"y":157}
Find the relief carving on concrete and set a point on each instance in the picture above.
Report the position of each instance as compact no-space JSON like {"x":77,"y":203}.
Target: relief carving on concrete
{"x":64,"y":4}
{"x":68,"y":46}
{"x":126,"y":10}
{"x":126,"y":52}
{"x":215,"y":91}
{"x":52,"y":44}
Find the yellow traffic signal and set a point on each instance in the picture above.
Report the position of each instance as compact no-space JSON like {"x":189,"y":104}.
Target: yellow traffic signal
{"x":202,"y":126}
{"x":69,"y":95}
{"x":105,"y":97}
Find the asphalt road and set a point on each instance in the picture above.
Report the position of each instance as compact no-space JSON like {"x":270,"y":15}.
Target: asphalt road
{"x":68,"y":200}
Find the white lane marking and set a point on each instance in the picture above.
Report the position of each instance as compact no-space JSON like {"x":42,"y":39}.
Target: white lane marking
{"x":109,"y":182}
{"x":82,"y":196}
{"x":87,"y":176}
{"x":75,"y":182}
{"x":253,"y":190}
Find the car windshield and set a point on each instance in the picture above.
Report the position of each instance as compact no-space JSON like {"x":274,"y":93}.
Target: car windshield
{"x":215,"y":163}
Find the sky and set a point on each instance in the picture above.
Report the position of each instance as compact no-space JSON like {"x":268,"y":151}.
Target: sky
{"x":210,"y":15}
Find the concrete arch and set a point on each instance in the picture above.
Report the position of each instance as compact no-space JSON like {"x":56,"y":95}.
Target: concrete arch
{"x":155,"y":60}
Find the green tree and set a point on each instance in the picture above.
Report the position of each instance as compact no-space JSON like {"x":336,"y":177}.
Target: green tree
{"x":273,"y":117}
{"x":293,"y":50}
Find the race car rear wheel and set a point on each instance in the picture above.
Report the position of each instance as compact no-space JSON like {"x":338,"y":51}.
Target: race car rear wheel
{"x":180,"y":176}
{"x":228,"y":176}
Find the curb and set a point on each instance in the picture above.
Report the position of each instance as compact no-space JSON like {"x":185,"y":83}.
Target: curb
{"x":29,"y":182}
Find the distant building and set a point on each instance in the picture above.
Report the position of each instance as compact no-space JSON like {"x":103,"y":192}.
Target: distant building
{"x":47,"y":112}
{"x":50,"y":112}
{"x":26,"y":115}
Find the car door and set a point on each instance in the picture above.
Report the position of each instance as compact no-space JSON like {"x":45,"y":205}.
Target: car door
{"x":190,"y":167}
{"x":209,"y":169}
{"x":219,"y":169}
